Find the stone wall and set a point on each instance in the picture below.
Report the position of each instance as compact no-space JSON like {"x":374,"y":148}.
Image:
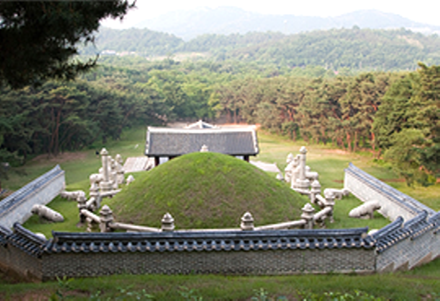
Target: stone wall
{"x":19,"y":252}
{"x":264,"y":262}
{"x":405,"y":246}
{"x":17,"y":207}
{"x":21,"y":264}
{"x":394,"y":203}
{"x":405,"y":243}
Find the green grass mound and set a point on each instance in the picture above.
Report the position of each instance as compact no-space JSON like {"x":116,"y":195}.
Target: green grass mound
{"x":206,"y":190}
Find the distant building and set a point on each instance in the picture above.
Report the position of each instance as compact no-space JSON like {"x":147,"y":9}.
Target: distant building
{"x":163,"y":144}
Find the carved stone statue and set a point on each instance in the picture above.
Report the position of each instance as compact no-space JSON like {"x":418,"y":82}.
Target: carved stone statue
{"x":366,"y":210}
{"x":338,"y":193}
{"x":72,"y":195}
{"x":47,"y":213}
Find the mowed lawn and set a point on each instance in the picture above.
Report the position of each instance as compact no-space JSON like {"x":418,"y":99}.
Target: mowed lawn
{"x":418,"y":284}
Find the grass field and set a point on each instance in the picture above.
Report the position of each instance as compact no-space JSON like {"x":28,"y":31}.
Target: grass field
{"x":418,"y":284}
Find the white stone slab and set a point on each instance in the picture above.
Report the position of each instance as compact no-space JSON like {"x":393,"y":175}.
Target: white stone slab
{"x":134,"y":164}
{"x":271,"y":167}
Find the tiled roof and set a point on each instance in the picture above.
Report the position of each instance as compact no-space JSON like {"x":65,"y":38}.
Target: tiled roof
{"x":175,"y":142}
{"x":396,"y":231}
{"x":20,"y":196}
{"x":25,"y":240}
{"x":4,"y":233}
{"x":419,"y":225}
{"x":200,"y":125}
{"x":435,"y":220}
{"x":208,"y":241}
{"x":411,"y":205}
{"x":390,"y":235}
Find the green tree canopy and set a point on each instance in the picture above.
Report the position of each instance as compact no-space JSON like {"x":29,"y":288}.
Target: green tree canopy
{"x":38,"y":38}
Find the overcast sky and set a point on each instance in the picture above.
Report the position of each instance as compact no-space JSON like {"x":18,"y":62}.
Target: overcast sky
{"x":425,"y":11}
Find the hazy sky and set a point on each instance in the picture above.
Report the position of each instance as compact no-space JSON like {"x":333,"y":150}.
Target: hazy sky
{"x":426,"y":11}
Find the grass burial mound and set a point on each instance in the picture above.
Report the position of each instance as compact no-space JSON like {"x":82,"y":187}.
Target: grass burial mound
{"x":206,"y":190}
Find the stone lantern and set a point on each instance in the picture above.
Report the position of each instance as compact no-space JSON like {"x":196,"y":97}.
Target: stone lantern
{"x":315,"y":190}
{"x":308,"y":215}
{"x":247,"y":222}
{"x":167,"y":222}
{"x":106,"y":217}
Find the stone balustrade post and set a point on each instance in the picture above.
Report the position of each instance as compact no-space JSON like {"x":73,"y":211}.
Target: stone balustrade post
{"x":308,"y":215}
{"x":247,"y":222}
{"x":167,"y":222}
{"x":314,"y":191}
{"x":106,"y":217}
{"x":330,"y":202}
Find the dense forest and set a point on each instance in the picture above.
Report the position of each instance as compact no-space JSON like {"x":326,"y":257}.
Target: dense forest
{"x":393,"y":114}
{"x":357,"y":49}
{"x":356,"y":89}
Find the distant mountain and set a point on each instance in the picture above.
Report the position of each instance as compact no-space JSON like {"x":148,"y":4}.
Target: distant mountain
{"x":140,"y":41}
{"x":354,"y":48}
{"x":228,"y":20}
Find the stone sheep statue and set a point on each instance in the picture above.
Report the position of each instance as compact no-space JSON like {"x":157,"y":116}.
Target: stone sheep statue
{"x":47,"y":213}
{"x":72,"y":195}
{"x":130,"y":179}
{"x":365,"y":211}
{"x":311,"y":175}
{"x":337,"y":193}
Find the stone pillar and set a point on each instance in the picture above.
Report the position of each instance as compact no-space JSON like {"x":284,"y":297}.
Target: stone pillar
{"x":113,"y":174}
{"x":119,"y":169}
{"x":106,"y":215}
{"x":247,"y":222}
{"x":167,"y":222}
{"x":315,"y":190}
{"x":307,"y":215}
{"x":105,"y":185}
{"x":302,"y":182}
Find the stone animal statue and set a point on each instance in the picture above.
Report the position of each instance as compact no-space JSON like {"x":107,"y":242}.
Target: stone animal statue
{"x":311,"y":175}
{"x":130,"y":179}
{"x":295,"y":170}
{"x":96,"y":178}
{"x":72,"y":195}
{"x":47,"y":213}
{"x":288,"y":169}
{"x":366,"y":210}
{"x":337,"y":193}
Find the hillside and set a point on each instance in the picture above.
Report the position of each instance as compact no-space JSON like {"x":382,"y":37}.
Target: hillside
{"x":361,"y":49}
{"x":206,"y":190}
{"x":357,"y":49}
{"x":142,"y":41}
